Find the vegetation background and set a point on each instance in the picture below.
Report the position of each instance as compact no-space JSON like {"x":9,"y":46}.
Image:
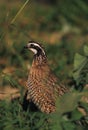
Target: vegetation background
{"x":62,"y":27}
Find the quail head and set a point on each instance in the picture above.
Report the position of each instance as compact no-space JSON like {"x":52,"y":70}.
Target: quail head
{"x":42,"y":85}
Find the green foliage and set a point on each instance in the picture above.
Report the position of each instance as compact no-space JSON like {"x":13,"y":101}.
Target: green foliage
{"x":13,"y":117}
{"x":81,"y":68}
{"x":15,"y":32}
{"x":73,"y":10}
{"x":64,"y":105}
{"x":67,"y":113}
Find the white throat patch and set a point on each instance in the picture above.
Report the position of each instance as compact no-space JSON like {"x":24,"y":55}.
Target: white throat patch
{"x":33,"y":50}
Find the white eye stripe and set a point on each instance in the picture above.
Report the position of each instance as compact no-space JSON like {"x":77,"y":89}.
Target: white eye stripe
{"x":35,"y":44}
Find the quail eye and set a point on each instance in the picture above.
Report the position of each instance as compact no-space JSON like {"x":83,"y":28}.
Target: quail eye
{"x":32,"y":46}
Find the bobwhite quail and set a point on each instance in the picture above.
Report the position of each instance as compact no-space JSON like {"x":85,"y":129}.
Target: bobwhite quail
{"x":42,"y":85}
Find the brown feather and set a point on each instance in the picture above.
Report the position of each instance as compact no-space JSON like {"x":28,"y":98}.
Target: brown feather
{"x":43,"y":85}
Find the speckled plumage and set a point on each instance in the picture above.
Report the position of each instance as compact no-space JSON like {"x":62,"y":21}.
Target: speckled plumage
{"x":42,"y":84}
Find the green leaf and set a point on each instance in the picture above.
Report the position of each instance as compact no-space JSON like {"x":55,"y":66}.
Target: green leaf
{"x":80,"y":69}
{"x":68,"y":126}
{"x":68,"y":102}
{"x":86,"y":50}
{"x":76,"y":115}
{"x":78,"y":61}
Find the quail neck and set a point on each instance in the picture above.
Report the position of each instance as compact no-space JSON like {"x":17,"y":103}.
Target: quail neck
{"x":39,"y":53}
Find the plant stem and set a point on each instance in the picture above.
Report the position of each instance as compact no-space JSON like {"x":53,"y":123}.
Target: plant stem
{"x":13,"y":20}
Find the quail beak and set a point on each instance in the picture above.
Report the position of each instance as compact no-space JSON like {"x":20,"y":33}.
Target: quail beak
{"x":26,"y":47}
